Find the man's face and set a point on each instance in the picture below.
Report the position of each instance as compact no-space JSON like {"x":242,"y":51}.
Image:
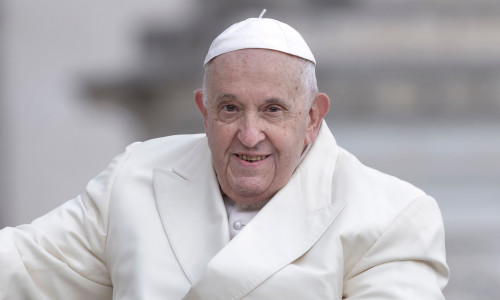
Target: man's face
{"x":256,"y":121}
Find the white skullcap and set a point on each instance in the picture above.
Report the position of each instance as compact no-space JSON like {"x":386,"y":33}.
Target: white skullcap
{"x":262,"y":33}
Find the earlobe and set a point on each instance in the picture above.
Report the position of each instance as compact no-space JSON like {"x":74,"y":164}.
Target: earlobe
{"x":323,"y":103}
{"x":198,"y":99}
{"x":319,"y":108}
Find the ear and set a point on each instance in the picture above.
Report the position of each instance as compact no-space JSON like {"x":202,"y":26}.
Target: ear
{"x":198,"y":99}
{"x":319,"y":108}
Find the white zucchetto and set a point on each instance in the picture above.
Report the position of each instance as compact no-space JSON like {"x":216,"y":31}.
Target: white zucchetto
{"x":261,"y":33}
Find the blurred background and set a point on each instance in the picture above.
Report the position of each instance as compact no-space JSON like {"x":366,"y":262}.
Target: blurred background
{"x":415,"y":88}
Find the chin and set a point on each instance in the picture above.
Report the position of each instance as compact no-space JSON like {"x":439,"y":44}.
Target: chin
{"x":250,"y":193}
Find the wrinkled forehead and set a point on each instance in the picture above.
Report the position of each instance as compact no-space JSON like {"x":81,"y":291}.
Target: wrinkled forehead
{"x":253,"y":62}
{"x":257,"y":74}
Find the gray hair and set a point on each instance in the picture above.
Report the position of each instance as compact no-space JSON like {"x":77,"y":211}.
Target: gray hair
{"x":307,"y":78}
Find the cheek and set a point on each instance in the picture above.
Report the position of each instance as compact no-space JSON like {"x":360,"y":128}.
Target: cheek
{"x":220,"y":137}
{"x":290,"y":142}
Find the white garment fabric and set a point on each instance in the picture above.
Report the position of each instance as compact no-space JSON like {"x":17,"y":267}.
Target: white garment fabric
{"x":153,"y":225}
{"x":239,"y":215}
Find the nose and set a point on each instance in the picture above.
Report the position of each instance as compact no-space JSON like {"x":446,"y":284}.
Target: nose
{"x":250,"y":132}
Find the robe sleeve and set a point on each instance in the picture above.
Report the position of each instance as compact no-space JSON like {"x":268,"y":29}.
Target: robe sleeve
{"x":61,"y":255}
{"x":407,"y":261}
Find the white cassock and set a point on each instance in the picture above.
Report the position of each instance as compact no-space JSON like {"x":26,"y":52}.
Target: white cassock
{"x":153,"y":225}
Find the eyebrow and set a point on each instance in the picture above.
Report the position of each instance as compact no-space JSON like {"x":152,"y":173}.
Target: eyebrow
{"x":223,"y":97}
{"x":278,"y":101}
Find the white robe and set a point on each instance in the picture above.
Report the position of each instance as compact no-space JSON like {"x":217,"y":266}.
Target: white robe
{"x":153,"y":225}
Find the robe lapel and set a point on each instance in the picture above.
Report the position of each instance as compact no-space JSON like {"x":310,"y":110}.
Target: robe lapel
{"x":286,"y":228}
{"x":191,"y":210}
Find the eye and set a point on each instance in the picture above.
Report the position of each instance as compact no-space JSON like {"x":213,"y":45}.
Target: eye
{"x":229,"y":108}
{"x":273,"y":109}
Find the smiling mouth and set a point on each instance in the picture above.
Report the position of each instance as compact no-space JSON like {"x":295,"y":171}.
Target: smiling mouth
{"x":252,"y":158}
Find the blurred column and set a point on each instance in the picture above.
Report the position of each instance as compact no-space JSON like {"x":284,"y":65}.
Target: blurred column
{"x":5,"y":167}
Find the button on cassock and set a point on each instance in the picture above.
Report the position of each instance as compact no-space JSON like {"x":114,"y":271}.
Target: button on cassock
{"x":237,"y":225}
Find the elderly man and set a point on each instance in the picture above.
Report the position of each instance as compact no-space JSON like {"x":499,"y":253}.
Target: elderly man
{"x":265,"y":205}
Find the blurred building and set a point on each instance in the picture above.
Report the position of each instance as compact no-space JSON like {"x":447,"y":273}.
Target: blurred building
{"x":415,"y":88}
